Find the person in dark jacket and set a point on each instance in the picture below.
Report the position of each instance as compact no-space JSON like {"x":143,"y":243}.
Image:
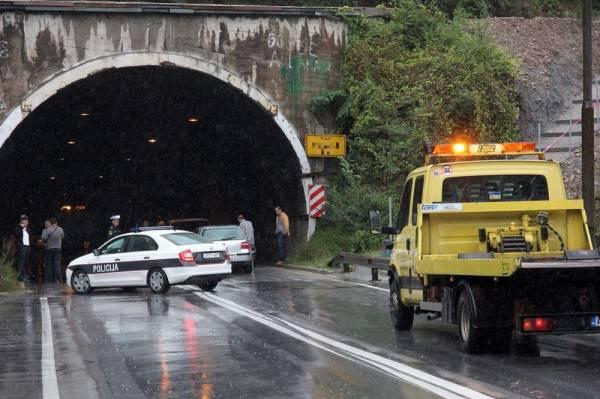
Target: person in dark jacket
{"x":23,"y":244}
{"x":52,"y":237}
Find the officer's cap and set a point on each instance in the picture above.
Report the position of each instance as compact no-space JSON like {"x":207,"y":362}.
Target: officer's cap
{"x":24,"y":217}
{"x":115,"y":217}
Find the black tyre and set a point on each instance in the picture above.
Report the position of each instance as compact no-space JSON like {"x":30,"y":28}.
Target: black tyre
{"x":248,"y":267}
{"x":471,"y":339}
{"x":80,"y":282}
{"x":208,"y":285}
{"x":402,"y":316}
{"x":158,"y":282}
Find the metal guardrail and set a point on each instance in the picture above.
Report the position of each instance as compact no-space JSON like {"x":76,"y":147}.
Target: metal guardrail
{"x":375,"y":263}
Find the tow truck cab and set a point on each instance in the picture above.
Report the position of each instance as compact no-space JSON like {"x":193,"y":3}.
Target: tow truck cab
{"x":489,"y":242}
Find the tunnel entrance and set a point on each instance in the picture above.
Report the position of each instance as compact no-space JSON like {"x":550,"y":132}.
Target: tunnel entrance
{"x":148,"y":143}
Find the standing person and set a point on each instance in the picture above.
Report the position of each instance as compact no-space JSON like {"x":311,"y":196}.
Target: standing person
{"x":52,"y":237}
{"x":114,"y":229}
{"x":23,"y":243}
{"x":247,"y":229}
{"x":282,"y":231}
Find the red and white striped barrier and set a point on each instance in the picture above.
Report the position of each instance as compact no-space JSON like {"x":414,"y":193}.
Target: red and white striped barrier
{"x":316,"y":193}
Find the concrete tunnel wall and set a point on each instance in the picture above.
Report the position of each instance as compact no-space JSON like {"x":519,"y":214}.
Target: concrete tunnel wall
{"x":279,"y":62}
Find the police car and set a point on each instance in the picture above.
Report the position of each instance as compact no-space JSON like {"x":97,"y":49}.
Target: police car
{"x":153,"y":257}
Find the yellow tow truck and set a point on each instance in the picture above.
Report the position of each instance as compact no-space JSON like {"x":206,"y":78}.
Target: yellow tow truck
{"x":486,"y":239}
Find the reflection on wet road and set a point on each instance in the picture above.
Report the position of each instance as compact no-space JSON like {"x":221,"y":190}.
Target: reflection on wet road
{"x":278,"y":333}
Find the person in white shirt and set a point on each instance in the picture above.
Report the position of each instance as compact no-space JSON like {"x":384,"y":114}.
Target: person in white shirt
{"x":23,"y":244}
{"x":247,"y":229}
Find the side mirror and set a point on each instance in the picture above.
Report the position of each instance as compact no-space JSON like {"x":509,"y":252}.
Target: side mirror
{"x":96,"y":252}
{"x":375,"y":222}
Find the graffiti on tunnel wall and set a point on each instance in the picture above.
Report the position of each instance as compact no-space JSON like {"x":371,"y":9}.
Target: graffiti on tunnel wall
{"x":289,"y":58}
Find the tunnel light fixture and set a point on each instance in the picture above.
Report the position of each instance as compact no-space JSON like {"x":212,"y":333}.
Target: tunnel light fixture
{"x":193,"y":119}
{"x":100,"y":177}
{"x":84,"y":114}
{"x":152,"y":140}
{"x":71,"y":142}
{"x":52,"y":178}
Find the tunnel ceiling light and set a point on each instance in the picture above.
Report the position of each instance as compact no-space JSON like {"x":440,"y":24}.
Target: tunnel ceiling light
{"x":71,"y":142}
{"x":100,"y":177}
{"x":84,"y":114}
{"x":152,"y":140}
{"x":62,"y":158}
{"x":52,"y":177}
{"x":193,"y":119}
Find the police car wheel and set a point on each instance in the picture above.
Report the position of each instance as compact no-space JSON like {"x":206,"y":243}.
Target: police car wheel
{"x":157,"y":281}
{"x":208,"y":285}
{"x":81,"y":283}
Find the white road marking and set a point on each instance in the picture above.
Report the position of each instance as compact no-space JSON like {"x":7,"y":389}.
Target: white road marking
{"x":49,"y":378}
{"x":420,"y":379}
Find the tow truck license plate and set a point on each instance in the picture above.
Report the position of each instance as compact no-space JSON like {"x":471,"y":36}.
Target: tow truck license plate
{"x":211,"y":255}
{"x":595,"y":321}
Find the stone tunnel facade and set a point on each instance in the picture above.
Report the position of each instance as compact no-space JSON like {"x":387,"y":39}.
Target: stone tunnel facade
{"x":288,"y":55}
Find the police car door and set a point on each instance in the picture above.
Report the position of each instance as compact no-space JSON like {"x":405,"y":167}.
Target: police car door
{"x":138,"y":259}
{"x":105,"y":267}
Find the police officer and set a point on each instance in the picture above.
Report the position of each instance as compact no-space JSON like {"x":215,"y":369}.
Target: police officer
{"x":114,"y":229}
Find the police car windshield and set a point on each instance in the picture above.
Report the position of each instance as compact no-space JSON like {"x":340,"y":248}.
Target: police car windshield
{"x":185,"y":238}
{"x":223,"y":233}
{"x":495,"y":188}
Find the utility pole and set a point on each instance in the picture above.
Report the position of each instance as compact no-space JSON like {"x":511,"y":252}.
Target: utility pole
{"x":587,"y":119}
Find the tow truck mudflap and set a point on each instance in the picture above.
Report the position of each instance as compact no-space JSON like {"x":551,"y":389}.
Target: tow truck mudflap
{"x":585,"y":258}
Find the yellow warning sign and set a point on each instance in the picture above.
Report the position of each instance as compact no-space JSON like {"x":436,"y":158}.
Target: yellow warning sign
{"x":326,"y":145}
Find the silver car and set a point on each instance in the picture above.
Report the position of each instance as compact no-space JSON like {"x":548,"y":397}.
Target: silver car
{"x":240,"y":251}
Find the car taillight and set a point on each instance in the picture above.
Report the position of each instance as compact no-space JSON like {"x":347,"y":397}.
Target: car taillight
{"x":538,"y":324}
{"x":245,"y":245}
{"x":186,"y":256}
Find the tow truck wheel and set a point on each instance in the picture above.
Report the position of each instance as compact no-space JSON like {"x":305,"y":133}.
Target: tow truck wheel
{"x":158,"y":282}
{"x":81,"y":283}
{"x":208,"y":285}
{"x":471,"y":339}
{"x":402,"y":315}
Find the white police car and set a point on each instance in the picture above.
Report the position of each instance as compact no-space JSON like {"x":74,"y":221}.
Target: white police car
{"x":153,"y":257}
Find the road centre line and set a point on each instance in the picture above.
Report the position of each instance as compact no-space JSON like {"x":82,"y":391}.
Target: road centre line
{"x":49,"y":378}
{"x":420,"y":379}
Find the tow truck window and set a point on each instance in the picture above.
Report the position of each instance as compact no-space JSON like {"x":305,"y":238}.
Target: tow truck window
{"x":495,"y":188}
{"x":404,"y":205}
{"x":417,"y":198}
{"x":141,"y":243}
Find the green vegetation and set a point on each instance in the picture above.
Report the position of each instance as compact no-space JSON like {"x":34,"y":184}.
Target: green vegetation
{"x":328,"y":241}
{"x":419,"y":75}
{"x":8,"y":275}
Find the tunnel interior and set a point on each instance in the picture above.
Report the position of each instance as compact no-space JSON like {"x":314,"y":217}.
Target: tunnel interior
{"x":148,"y":143}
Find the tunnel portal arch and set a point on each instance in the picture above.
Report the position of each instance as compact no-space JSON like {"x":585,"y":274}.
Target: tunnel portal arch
{"x":83,"y":70}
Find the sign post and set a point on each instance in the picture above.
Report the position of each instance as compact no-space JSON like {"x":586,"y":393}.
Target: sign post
{"x":325,"y":146}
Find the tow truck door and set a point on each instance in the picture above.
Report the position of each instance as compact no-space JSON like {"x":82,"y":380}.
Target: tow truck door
{"x":405,"y":246}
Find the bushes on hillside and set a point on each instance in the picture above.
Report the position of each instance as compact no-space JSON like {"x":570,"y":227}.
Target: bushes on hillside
{"x":417,"y":76}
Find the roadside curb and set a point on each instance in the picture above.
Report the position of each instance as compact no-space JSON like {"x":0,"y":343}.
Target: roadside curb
{"x":307,"y":269}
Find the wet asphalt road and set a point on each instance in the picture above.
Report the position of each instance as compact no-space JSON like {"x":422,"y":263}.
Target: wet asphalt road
{"x":276,"y":334}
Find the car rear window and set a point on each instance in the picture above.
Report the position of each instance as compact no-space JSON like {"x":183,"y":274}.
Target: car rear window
{"x":185,"y":238}
{"x":223,"y":234}
{"x":495,"y":188}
